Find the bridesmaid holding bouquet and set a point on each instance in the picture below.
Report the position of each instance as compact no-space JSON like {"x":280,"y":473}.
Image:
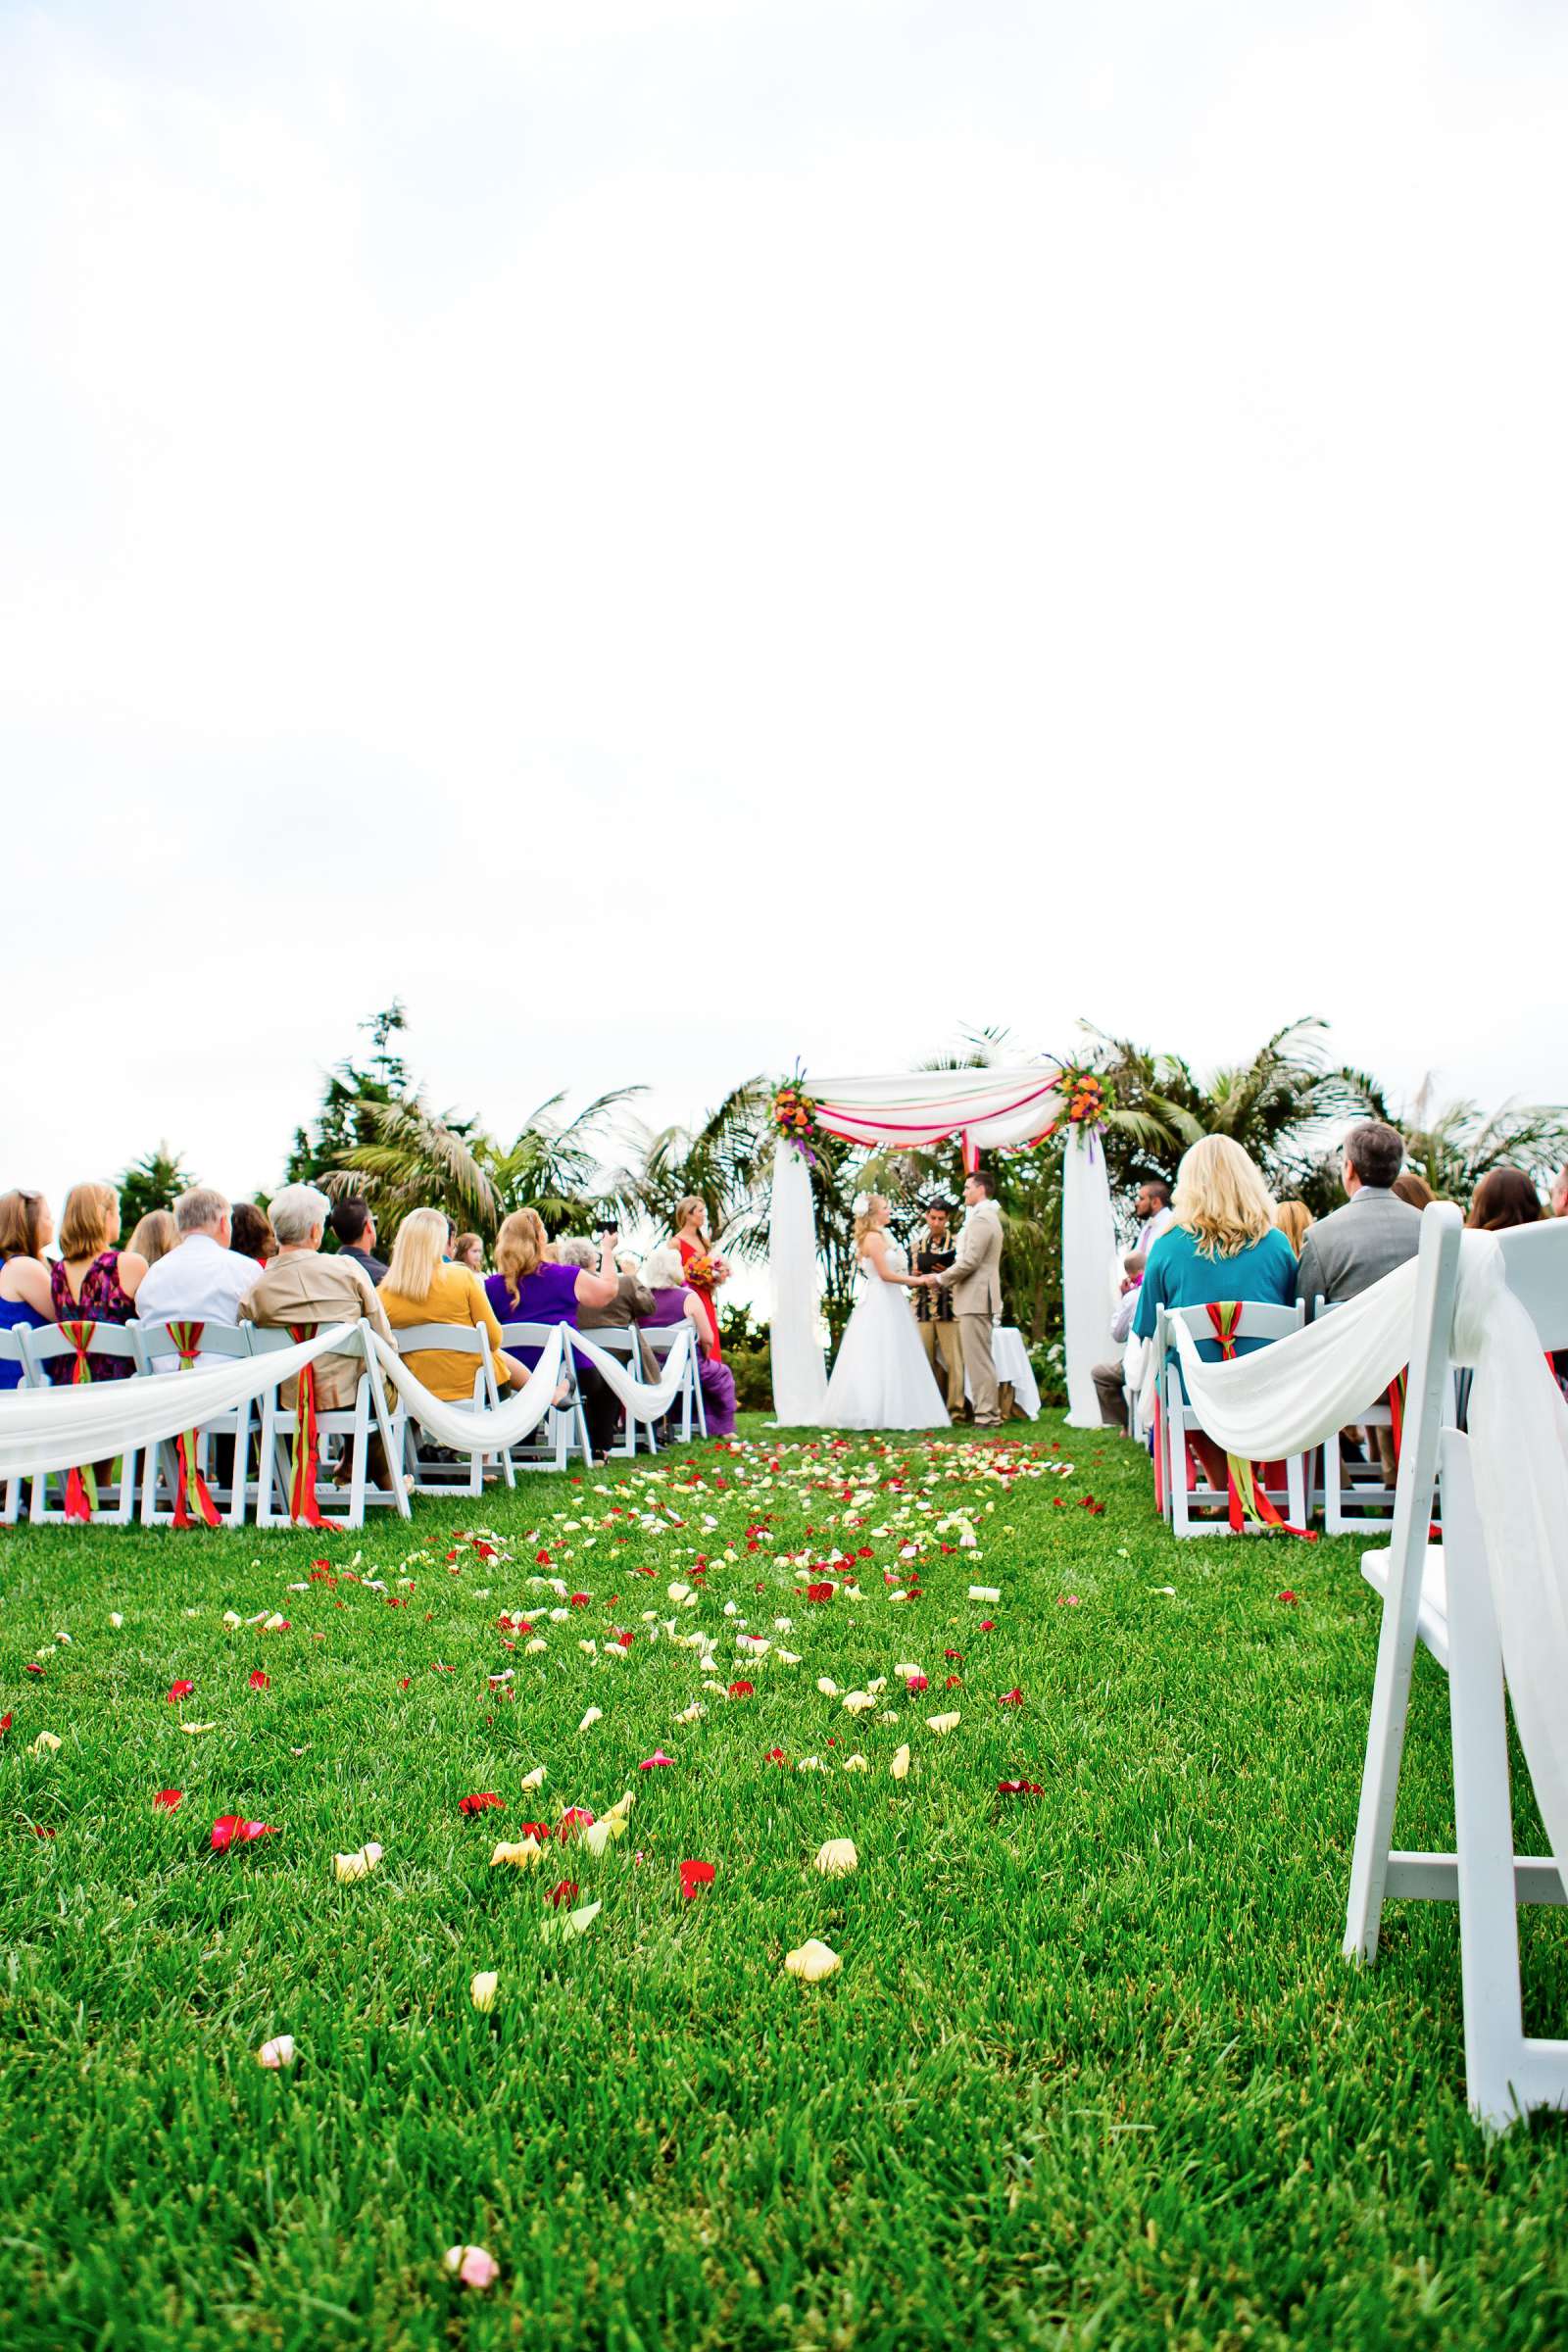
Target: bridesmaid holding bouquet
{"x":704,"y":1268}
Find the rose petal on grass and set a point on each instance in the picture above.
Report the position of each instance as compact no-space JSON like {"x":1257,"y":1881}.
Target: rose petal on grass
{"x":347,"y":1869}
{"x":259,"y":1680}
{"x":177,"y":1691}
{"x":46,"y":1744}
{"x":985,"y":1592}
{"x":524,"y":1854}
{"x":575,"y":1924}
{"x":811,"y":1961}
{"x":942,"y":1724}
{"x":276,"y":2053}
{"x":900,"y":1766}
{"x":534,"y":1778}
{"x":837,"y":1858}
{"x":476,"y":2265}
{"x":482,"y":1989}
{"x":232,"y":1829}
{"x":655,"y":1761}
{"x":482,"y":1801}
{"x":168,"y":1800}
{"x":591,"y":1716}
{"x":694,"y":1876}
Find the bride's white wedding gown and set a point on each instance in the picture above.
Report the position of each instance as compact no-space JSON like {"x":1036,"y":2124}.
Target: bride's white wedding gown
{"x":881,"y":1378}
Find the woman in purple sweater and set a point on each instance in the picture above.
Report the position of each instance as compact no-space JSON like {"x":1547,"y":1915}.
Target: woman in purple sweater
{"x":526,"y":1287}
{"x":675,"y":1303}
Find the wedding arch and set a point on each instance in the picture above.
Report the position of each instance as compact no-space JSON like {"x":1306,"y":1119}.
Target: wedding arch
{"x":989,"y":1109}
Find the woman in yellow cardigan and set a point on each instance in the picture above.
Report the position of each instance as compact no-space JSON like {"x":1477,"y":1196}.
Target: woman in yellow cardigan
{"x":417,"y":1288}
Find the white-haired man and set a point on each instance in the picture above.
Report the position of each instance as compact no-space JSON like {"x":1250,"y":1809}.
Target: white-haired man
{"x":303,"y":1288}
{"x":201,"y":1280}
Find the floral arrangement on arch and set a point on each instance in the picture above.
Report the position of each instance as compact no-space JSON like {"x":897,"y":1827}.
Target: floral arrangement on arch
{"x":794,"y":1115}
{"x":1084,"y":1093}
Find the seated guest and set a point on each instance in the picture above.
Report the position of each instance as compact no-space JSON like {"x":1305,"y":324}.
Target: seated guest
{"x":202,"y":1279}
{"x":1408,"y":1186}
{"x":253,"y":1235}
{"x":1224,"y":1244}
{"x":675,"y":1303}
{"x":526,"y":1287}
{"x":91,"y":1280}
{"x":1504,"y":1199}
{"x":1293,"y":1217}
{"x":1110,"y":1378}
{"x":468,"y":1251}
{"x":355,"y":1228}
{"x":1347,"y":1253}
{"x":154,"y":1235}
{"x":27,"y":1230}
{"x":632,"y":1301}
{"x":303,"y":1289}
{"x":421,"y":1288}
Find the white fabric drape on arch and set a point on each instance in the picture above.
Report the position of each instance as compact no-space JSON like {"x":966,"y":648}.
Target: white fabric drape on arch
{"x":988,"y":1108}
{"x":800,"y":1379}
{"x":1290,"y":1397}
{"x":1088,"y":1272}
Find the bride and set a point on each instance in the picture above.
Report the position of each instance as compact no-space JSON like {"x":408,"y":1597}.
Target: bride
{"x":881,"y":1378}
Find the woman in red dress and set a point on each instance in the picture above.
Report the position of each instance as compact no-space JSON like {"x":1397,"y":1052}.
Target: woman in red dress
{"x":694,"y":1244}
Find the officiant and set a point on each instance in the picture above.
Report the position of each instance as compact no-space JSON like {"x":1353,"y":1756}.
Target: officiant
{"x":934,"y":1252}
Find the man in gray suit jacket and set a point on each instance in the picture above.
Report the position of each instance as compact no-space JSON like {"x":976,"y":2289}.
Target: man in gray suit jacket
{"x":1345,"y":1253}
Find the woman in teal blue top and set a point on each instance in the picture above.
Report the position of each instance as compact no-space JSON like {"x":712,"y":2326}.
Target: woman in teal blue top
{"x":1224,"y":1243}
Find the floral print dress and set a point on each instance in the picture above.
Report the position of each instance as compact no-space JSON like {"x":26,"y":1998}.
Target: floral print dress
{"x":99,"y":1300}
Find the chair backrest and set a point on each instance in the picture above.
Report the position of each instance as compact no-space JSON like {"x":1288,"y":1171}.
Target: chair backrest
{"x":457,"y":1338}
{"x":44,"y":1341}
{"x":267,"y":1339}
{"x":1255,"y":1319}
{"x":529,"y":1335}
{"x":12,"y":1351}
{"x":661,"y":1337}
{"x":1427,"y":1386}
{"x":616,"y":1340}
{"x":217,"y":1339}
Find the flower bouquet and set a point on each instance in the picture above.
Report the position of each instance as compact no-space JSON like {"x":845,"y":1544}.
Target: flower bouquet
{"x":794,"y":1115}
{"x":702,"y":1273}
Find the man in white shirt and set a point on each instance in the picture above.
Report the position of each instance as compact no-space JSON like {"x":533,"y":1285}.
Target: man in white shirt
{"x":202,"y":1280}
{"x":1153,"y":1212}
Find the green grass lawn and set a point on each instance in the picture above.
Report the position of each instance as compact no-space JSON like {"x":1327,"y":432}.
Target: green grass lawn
{"x":1091,"y":2073}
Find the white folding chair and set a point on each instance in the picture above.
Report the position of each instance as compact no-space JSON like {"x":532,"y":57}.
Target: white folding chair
{"x":564,"y":1428}
{"x":1355,"y":1495}
{"x":617,"y":1342}
{"x":464,"y":1476}
{"x":351,"y":1423}
{"x":161,"y":1475}
{"x":1203,"y":1509}
{"x":47,"y":1343}
{"x":13,"y":1353}
{"x":1440,"y":1595}
{"x":692,"y":1405}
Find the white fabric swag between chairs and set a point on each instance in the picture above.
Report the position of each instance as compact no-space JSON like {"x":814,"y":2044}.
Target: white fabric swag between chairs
{"x":1491,"y":1601}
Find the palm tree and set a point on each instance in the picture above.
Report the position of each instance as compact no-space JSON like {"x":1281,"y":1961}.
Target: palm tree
{"x":724,"y":1161}
{"x":418,"y":1158}
{"x":1455,"y":1144}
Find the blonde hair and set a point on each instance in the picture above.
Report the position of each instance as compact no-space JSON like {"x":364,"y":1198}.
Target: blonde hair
{"x":416,"y":1255}
{"x":1293,"y":1217}
{"x":155,"y":1236}
{"x":90,"y":1222}
{"x":520,"y":1246}
{"x":683,"y":1209}
{"x":865,"y":1218}
{"x":662,"y":1269}
{"x":1220,"y":1198}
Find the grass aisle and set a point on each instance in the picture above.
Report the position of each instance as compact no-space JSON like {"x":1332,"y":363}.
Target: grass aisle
{"x":1090,"y":2071}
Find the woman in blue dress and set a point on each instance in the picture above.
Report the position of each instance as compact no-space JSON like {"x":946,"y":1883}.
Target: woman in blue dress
{"x":26,"y":1228}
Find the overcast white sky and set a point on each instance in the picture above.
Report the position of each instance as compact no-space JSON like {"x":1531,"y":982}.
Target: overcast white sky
{"x":678,"y":536}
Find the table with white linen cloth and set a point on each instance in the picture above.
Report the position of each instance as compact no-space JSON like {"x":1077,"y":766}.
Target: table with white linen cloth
{"x":1012,"y":1359}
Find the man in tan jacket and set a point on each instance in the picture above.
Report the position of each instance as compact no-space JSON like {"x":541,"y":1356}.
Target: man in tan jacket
{"x":303,"y":1289}
{"x":975,"y":1279}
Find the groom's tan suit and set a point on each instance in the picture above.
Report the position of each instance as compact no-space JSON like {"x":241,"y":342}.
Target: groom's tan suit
{"x":975,"y":1277}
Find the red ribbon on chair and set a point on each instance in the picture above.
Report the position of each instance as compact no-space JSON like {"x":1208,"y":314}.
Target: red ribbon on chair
{"x":1396,"y":1395}
{"x":303,"y":1509}
{"x":1247,"y":1498}
{"x":188,"y":1339}
{"x":82,"y":1484}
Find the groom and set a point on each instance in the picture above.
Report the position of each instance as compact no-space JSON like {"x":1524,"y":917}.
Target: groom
{"x":975,"y":1277}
